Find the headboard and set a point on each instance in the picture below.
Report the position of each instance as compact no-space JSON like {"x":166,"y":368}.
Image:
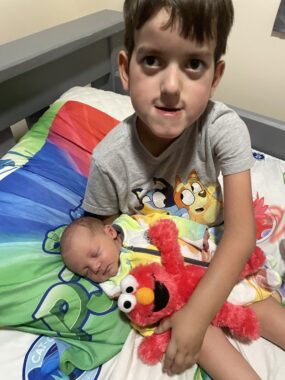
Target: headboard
{"x":36,"y":70}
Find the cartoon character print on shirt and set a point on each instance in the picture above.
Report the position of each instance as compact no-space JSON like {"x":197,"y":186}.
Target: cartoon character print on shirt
{"x":200,"y":201}
{"x":159,"y":200}
{"x":191,"y":200}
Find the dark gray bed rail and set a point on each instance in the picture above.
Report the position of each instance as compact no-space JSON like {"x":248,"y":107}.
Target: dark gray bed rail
{"x":37,"y":69}
{"x":267,"y":134}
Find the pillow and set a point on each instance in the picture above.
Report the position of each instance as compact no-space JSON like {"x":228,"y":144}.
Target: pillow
{"x":268,"y":188}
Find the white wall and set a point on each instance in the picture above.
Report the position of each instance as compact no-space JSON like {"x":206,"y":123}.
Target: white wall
{"x":20,"y":18}
{"x":255,"y":73}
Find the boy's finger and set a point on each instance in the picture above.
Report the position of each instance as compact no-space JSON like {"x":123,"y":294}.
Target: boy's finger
{"x":178,"y":364}
{"x":163,"y":326}
{"x":167,"y":365}
{"x":169,"y":357}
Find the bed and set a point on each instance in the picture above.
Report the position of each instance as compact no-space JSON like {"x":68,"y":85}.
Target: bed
{"x":53,"y":324}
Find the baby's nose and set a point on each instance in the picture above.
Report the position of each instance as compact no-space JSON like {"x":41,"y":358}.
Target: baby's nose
{"x":96,"y":267}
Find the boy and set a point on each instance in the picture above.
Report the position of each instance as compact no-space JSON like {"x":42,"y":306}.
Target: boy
{"x":171,"y":67}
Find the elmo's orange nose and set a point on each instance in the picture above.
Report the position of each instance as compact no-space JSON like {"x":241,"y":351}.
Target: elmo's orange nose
{"x":145,"y":296}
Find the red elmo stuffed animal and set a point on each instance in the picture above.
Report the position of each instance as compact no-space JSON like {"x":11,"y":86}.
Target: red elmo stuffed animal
{"x":154,"y":291}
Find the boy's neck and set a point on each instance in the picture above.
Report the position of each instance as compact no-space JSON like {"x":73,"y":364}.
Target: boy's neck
{"x":155,"y":145}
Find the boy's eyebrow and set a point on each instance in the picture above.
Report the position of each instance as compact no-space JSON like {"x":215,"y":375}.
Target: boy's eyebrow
{"x":149,"y":50}
{"x":201,"y":52}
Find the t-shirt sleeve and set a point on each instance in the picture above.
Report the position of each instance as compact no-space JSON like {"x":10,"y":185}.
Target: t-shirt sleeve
{"x":100,"y":195}
{"x":230,"y":143}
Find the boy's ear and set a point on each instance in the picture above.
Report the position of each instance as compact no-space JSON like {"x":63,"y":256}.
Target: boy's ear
{"x":110,"y":230}
{"x":219,"y":71}
{"x":123,"y":63}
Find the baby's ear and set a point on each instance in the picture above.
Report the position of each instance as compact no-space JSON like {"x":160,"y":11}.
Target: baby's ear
{"x":110,"y":230}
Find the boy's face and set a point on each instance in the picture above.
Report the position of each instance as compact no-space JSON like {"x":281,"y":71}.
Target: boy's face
{"x":94,"y":256}
{"x":170,"y":80}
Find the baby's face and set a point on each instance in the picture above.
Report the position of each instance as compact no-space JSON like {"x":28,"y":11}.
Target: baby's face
{"x":94,"y":256}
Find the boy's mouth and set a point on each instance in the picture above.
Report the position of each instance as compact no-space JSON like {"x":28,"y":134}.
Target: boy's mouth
{"x":168,"y":109}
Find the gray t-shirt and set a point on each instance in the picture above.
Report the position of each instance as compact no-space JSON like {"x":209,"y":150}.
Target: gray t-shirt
{"x":126,"y":178}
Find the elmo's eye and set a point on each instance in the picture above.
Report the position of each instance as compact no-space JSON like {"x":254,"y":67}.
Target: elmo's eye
{"x":129,"y":284}
{"x":126,"y":302}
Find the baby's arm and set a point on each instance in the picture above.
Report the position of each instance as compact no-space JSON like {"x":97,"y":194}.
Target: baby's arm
{"x":190,"y":324}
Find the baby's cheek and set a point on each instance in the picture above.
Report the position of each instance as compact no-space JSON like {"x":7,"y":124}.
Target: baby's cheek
{"x":117,"y":267}
{"x":96,"y":278}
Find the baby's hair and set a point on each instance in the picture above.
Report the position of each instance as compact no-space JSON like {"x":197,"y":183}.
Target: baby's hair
{"x":93,"y":224}
{"x":200,"y":20}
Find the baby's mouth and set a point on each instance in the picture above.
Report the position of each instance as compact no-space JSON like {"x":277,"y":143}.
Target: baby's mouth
{"x":106,"y":270}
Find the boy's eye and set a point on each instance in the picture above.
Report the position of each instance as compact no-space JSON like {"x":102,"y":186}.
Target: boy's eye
{"x":195,"y":64}
{"x":150,"y":60}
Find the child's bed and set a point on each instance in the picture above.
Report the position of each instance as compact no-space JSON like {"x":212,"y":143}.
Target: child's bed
{"x":66,"y":324}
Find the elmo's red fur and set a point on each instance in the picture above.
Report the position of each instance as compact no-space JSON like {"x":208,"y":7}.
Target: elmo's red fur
{"x":172,"y":283}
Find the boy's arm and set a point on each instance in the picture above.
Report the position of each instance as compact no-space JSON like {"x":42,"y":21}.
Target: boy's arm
{"x":236,"y":245}
{"x":189,"y":325}
{"x":100,"y":198}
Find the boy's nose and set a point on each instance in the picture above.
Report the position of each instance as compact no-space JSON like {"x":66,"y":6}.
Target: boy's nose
{"x":170,"y":83}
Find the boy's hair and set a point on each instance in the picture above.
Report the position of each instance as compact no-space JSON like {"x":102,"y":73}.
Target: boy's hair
{"x":200,"y":20}
{"x":94,"y":225}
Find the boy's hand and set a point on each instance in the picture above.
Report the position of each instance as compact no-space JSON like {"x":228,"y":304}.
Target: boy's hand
{"x":186,"y":340}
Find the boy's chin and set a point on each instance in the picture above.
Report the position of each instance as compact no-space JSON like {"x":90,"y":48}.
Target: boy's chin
{"x":168,"y":136}
{"x":166,"y":131}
